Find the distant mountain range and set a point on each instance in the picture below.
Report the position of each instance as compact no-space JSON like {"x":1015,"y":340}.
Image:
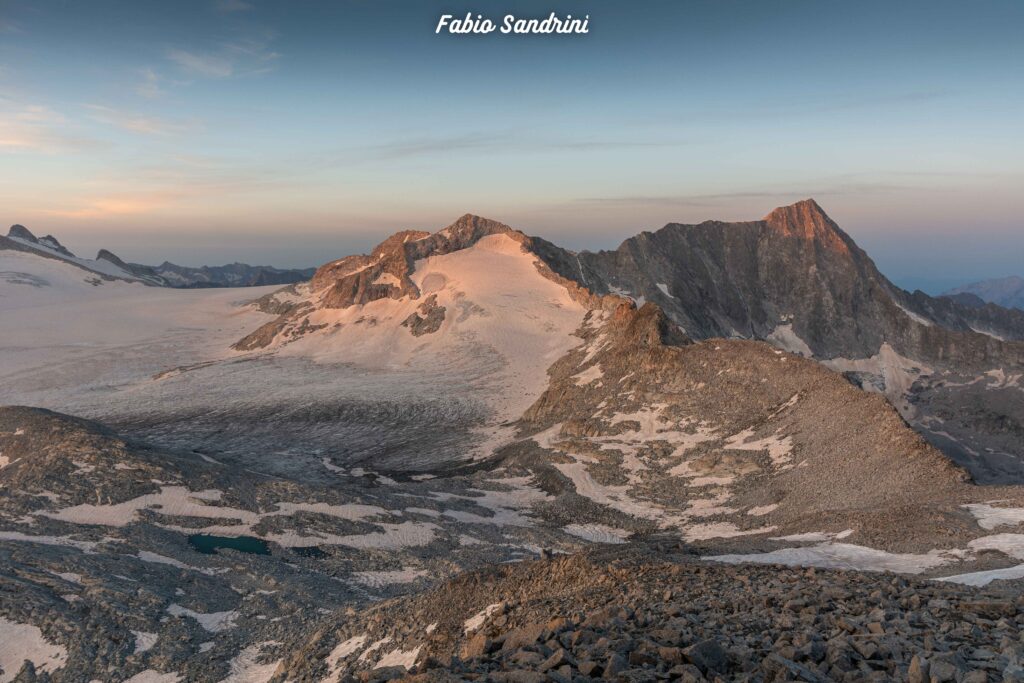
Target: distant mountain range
{"x":1005,"y":291}
{"x":108,"y":266}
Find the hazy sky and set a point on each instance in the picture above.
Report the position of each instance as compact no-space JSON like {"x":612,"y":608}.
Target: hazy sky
{"x":293,"y":132}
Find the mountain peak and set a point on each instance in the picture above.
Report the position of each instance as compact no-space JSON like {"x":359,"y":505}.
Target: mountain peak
{"x":21,"y":232}
{"x":470,"y":227}
{"x":807,"y":220}
{"x":805,"y":212}
{"x":104,"y":255}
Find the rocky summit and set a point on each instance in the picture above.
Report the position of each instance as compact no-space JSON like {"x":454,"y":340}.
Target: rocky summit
{"x":721,"y":452}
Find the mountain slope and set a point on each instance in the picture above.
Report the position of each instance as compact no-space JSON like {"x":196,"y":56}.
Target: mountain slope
{"x":1007,"y":292}
{"x":794,"y":274}
{"x":797,"y":280}
{"x":794,"y":279}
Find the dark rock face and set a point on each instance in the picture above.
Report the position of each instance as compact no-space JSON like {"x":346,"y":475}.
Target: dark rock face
{"x":797,"y":267}
{"x":427,"y":320}
{"x":104,"y":255}
{"x":21,"y":232}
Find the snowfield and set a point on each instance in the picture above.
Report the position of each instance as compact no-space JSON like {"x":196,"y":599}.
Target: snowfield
{"x":156,"y":363}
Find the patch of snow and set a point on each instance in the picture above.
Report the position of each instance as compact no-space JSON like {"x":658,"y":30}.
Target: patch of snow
{"x":85,"y":546}
{"x":664,"y":289}
{"x":786,"y":339}
{"x":597,"y":533}
{"x":1002,"y":380}
{"x":342,"y":650}
{"x":387,"y":279}
{"x":1009,"y":544}
{"x":393,"y":537}
{"x":704,"y":532}
{"x":144,"y":640}
{"x":987,"y":333}
{"x":984,"y":578}
{"x":898,"y":372}
{"x":213,"y":622}
{"x":507,"y":507}
{"x":156,"y":558}
{"x":19,"y":642}
{"x":913,"y":316}
{"x":153,"y":676}
{"x":365,"y":657}
{"x":815,"y":536}
{"x":403,"y":658}
{"x":845,"y":556}
{"x":591,"y":374}
{"x":245,"y":667}
{"x":779,"y":448}
{"x":762,"y":510}
{"x":989,"y":517}
{"x":618,"y":291}
{"x":478,"y":619}
{"x":379,"y":579}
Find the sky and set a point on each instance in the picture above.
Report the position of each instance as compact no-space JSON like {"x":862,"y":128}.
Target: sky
{"x":292,"y":133}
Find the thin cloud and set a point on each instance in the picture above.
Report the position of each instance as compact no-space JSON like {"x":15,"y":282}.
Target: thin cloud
{"x":149,"y":86}
{"x":236,"y":58}
{"x":210,"y":66}
{"x":38,"y":128}
{"x":136,"y":123}
{"x":504,"y":142}
{"x":101,"y":207}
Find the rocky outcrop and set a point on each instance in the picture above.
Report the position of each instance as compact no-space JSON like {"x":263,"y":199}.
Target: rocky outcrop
{"x":427,"y":319}
{"x":104,"y":255}
{"x":21,"y":232}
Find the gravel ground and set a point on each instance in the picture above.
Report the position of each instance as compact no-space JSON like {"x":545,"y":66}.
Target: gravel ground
{"x":651,"y":611}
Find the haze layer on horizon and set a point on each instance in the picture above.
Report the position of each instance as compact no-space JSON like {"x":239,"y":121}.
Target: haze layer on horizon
{"x":292,"y":133}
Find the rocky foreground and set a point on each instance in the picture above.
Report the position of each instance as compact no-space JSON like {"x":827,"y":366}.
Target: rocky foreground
{"x":648,"y":612}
